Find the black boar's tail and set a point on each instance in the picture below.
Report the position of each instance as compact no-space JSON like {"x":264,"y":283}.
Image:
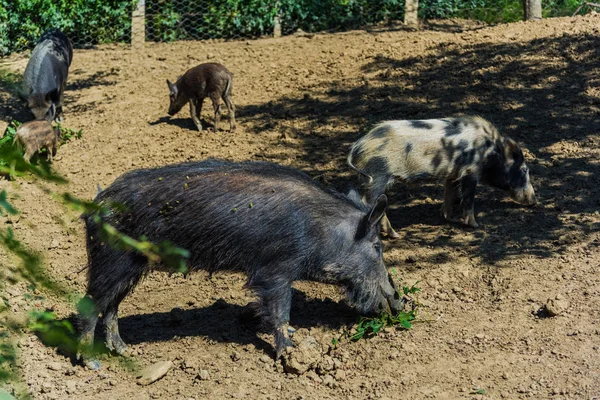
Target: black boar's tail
{"x":353,"y":152}
{"x":228,"y":86}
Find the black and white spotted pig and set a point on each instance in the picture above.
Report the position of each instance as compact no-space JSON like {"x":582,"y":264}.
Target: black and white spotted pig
{"x":461,"y":151}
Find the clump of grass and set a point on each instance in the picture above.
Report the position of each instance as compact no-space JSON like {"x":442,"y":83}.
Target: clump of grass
{"x":66,"y":134}
{"x":367,"y":327}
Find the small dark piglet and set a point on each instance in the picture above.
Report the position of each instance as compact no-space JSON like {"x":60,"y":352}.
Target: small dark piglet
{"x":46,"y":74}
{"x":34,"y":136}
{"x":272,"y":222}
{"x":460,"y":151}
{"x":206,"y":80}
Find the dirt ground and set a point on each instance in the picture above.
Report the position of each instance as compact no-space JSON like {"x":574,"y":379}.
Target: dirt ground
{"x":302,"y":101}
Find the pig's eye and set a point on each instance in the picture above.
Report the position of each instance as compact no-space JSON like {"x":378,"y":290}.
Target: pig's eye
{"x":377,"y":247}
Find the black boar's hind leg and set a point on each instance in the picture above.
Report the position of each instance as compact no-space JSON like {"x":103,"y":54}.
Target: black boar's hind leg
{"x":111,"y":325}
{"x":231,"y":110}
{"x":467,"y":199}
{"x":112,"y":276}
{"x":87,"y":321}
{"x":216,"y":101}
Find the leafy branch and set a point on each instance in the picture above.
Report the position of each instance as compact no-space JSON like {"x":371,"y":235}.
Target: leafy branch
{"x":29,"y":267}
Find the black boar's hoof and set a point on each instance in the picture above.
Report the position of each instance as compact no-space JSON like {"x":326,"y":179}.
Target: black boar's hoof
{"x":92,"y":364}
{"x":282,"y":339}
{"x":115,"y":344}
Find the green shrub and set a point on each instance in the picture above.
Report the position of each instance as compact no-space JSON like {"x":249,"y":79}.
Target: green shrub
{"x":22,"y":22}
{"x":108,"y":21}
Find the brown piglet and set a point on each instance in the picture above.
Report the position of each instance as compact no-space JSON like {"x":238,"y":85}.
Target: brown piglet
{"x":206,"y":80}
{"x":36,"y":135}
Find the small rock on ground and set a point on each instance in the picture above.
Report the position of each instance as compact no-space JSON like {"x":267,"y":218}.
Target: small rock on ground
{"x":154,"y":372}
{"x":557,"y":306}
{"x":300,"y":359}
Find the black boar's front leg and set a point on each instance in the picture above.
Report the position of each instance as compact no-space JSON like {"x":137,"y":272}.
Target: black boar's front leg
{"x":276,"y":302}
{"x":194,"y":112}
{"x":59,"y":117}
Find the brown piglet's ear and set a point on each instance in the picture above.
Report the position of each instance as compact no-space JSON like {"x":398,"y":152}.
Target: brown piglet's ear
{"x":172,"y":88}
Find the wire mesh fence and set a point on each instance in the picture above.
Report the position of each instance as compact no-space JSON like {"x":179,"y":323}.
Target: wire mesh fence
{"x":92,"y":22}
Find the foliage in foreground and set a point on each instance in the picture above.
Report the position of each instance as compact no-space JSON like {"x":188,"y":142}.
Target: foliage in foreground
{"x":26,"y":266}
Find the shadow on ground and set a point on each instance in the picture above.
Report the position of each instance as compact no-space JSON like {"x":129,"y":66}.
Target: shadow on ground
{"x":542,"y":93}
{"x":223,"y":322}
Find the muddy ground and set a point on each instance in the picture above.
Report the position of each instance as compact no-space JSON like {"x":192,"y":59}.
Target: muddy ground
{"x":302,"y":101}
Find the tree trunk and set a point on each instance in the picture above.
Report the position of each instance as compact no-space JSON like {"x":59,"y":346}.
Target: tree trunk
{"x":532,"y":9}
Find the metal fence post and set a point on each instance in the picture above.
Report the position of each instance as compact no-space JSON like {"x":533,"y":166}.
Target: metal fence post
{"x":411,"y":8}
{"x":138,"y":25}
{"x":277,"y":22}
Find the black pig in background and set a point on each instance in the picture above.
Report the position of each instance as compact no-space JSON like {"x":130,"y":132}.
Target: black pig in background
{"x":46,"y":74}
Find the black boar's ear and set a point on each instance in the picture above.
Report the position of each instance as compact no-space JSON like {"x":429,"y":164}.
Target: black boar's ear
{"x":172,"y":88}
{"x":378,"y":211}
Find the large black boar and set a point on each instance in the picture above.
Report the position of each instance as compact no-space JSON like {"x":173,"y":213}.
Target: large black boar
{"x":461,"y":151}
{"x":46,"y":75}
{"x":272,"y":222}
{"x":206,"y":80}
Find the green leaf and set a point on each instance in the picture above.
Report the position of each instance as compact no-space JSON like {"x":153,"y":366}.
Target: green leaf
{"x":6,"y":205}
{"x":405,"y":324}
